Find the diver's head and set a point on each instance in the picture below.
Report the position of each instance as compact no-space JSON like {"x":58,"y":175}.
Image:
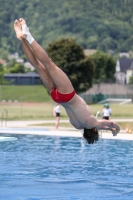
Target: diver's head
{"x":91,"y":135}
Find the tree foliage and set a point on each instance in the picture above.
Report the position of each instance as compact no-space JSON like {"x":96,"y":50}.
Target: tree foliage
{"x":131,"y":80}
{"x":70,"y":57}
{"x":94,"y":24}
{"x":2,"y":80}
{"x":16,"y":68}
{"x":104,"y":66}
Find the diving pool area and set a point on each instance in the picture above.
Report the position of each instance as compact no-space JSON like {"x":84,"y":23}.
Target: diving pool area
{"x":39,"y":167}
{"x":62,"y":133}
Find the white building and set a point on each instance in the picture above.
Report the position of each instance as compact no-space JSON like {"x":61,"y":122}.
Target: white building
{"x":124,"y":70}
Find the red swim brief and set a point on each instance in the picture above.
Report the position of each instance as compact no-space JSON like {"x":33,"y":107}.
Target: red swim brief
{"x":61,"y":98}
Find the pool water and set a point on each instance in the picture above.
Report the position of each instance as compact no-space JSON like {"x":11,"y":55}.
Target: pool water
{"x":61,"y":168}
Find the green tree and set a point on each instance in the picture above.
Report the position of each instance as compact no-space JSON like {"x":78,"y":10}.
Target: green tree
{"x":131,"y":80}
{"x":4,"y":54}
{"x":107,"y":28}
{"x":16,"y":68}
{"x":104,"y":66}
{"x":2,"y":80}
{"x":70,"y":57}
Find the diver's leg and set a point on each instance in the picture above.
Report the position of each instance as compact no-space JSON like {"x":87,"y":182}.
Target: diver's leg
{"x":59,"y":78}
{"x":44,"y":75}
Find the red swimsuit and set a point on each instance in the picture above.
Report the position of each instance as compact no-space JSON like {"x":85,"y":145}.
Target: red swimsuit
{"x":61,"y":98}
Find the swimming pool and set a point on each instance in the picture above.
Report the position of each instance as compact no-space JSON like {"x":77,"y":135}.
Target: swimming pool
{"x":62,"y":168}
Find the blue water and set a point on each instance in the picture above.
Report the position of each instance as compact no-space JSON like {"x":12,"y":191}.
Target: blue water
{"x":60,"y":168}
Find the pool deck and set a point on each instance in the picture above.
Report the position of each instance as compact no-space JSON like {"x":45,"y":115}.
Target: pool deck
{"x":25,"y":123}
{"x":28,"y":127}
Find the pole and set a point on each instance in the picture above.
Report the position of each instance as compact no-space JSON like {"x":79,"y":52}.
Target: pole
{"x":20,"y":105}
{"x":0,"y":93}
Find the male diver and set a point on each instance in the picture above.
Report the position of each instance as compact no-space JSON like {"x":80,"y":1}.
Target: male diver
{"x":60,"y":87}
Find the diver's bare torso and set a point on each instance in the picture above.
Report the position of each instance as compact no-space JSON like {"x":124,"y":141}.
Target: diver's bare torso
{"x":79,"y":114}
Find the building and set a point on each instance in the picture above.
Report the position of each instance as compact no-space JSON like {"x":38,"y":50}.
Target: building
{"x":23,"y":79}
{"x":124,"y":70}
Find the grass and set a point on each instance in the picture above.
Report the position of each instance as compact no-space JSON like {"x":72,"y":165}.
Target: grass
{"x":61,"y":124}
{"x":30,"y":111}
{"x":123,"y":125}
{"x":118,"y":111}
{"x":24,"y":93}
{"x":27,"y":109}
{"x":45,"y":110}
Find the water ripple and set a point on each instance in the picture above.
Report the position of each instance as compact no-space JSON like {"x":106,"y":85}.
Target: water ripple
{"x":65,"y":168}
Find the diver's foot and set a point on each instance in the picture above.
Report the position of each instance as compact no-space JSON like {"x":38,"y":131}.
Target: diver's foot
{"x":25,"y":30}
{"x":22,"y":21}
{"x":18,"y":30}
{"x":24,"y":26}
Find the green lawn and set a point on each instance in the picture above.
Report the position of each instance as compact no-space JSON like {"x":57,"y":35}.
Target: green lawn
{"x":43,"y":109}
{"x":24,"y":93}
{"x":118,"y":111}
{"x":31,"y":111}
{"x":123,"y":125}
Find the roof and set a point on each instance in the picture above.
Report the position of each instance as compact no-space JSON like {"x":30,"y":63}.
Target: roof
{"x":131,"y":67}
{"x":22,"y":75}
{"x":125,"y":63}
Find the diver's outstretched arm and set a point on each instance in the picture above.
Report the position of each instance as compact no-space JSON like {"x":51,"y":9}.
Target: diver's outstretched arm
{"x":108,"y":125}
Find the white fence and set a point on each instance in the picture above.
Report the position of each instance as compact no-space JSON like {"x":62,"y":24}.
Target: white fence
{"x":125,"y":98}
{"x":115,"y":100}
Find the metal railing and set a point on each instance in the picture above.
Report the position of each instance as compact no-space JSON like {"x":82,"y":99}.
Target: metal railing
{"x":4,"y":117}
{"x":97,"y":114}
